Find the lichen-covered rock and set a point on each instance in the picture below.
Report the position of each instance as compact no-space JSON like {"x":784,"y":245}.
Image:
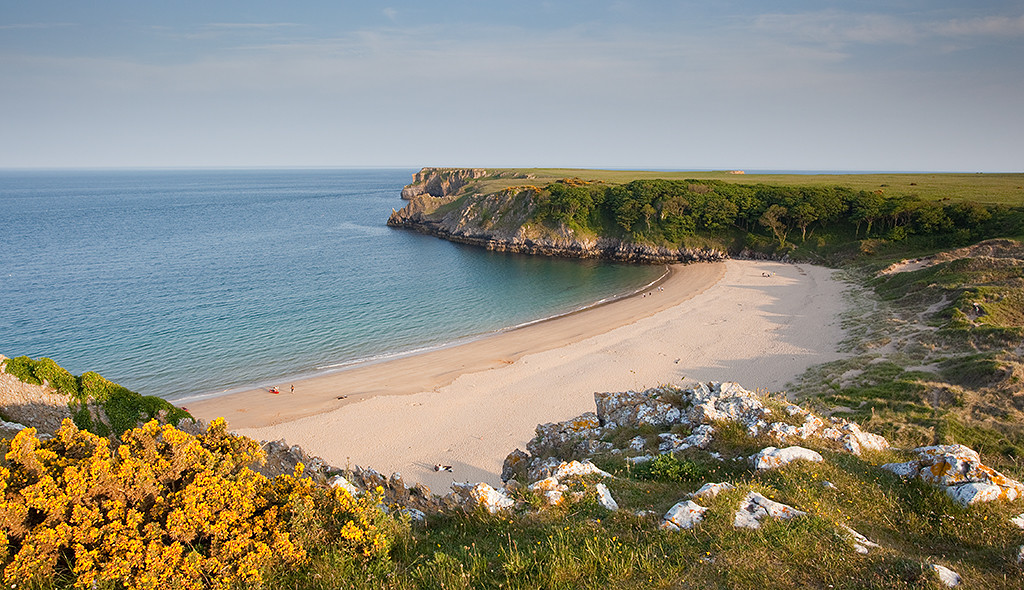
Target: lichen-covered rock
{"x":974,"y":492}
{"x":637,"y":408}
{"x":959,"y":469}
{"x":282,"y":459}
{"x":541,"y":468}
{"x":725,"y":401}
{"x":340,"y":481}
{"x":755,"y":507}
{"x":771,"y":457}
{"x":578,"y":469}
{"x":515,"y":465}
{"x":856,"y":440}
{"x":414,"y":514}
{"x":710,"y":490}
{"x":481,"y":494}
{"x":562,"y":436}
{"x":550,"y":490}
{"x":604,"y":497}
{"x":684,"y":515}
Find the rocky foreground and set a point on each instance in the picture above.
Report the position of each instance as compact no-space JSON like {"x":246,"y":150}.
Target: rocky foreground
{"x":666,"y":427}
{"x":558,"y":467}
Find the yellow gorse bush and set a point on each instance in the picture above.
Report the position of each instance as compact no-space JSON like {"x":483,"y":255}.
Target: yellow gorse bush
{"x":166,"y":509}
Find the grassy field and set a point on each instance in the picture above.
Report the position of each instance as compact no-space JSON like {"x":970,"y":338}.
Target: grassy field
{"x":1005,"y":189}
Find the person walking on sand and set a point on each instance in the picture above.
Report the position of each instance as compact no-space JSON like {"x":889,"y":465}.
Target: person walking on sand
{"x":293,"y":389}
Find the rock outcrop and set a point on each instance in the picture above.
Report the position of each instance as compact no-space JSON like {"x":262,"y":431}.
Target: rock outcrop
{"x":440,"y":182}
{"x":25,"y":404}
{"x":960,"y":471}
{"x":755,"y":508}
{"x":698,"y":408}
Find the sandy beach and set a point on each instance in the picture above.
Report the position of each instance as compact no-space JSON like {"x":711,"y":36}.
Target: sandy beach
{"x":755,"y":322}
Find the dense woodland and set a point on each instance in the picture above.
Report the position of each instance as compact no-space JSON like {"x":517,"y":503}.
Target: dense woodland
{"x":748,"y":216}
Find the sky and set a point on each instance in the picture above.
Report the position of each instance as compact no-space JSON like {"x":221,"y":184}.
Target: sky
{"x":895,"y":85}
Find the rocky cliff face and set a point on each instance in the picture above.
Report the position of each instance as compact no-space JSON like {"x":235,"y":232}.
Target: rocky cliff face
{"x":25,"y":404}
{"x":440,"y":182}
{"x":501,"y":222}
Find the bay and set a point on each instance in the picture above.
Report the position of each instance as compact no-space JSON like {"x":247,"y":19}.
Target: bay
{"x":184,"y":282}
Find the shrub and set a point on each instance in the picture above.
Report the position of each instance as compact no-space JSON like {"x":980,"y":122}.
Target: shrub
{"x":669,"y":468}
{"x":165,"y":509}
{"x":123,"y":407}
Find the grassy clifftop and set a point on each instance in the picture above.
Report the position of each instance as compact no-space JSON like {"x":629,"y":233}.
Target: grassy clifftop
{"x":797,"y":216}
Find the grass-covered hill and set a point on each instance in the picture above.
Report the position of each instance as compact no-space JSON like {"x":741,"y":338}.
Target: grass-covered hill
{"x":821,"y":218}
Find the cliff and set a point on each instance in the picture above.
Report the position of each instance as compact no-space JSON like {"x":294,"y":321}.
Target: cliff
{"x":503,"y":221}
{"x":440,"y":182}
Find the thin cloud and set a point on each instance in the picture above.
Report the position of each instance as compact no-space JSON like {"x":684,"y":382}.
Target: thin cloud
{"x":837,"y":28}
{"x":36,"y":26}
{"x":250,"y":25}
{"x":992,"y":26}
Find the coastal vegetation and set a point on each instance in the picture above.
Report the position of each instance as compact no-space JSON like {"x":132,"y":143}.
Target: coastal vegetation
{"x":122,"y":409}
{"x":935,"y":356}
{"x":162,"y":508}
{"x":829,"y":220}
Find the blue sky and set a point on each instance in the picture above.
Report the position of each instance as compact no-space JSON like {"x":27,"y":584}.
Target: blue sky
{"x":796,"y":85}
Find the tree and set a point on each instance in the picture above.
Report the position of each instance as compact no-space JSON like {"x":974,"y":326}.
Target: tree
{"x":866,"y":207}
{"x":775,"y":218}
{"x":804,"y":214}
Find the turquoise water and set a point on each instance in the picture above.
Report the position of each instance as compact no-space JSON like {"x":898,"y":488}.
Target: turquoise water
{"x":177,"y":283}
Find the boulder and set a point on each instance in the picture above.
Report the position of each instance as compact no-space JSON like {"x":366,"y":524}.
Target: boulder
{"x":550,"y":490}
{"x":946,"y":575}
{"x":604,"y":497}
{"x":754,"y":508}
{"x":514,"y":465}
{"x":414,"y":514}
{"x":339,"y":481}
{"x":959,"y":469}
{"x":684,"y":515}
{"x":481,"y":494}
{"x":772,"y":457}
{"x":578,"y":469}
{"x":710,"y":490}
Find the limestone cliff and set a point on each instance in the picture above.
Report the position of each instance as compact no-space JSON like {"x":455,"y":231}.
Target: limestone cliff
{"x":501,"y":221}
{"x":440,"y":182}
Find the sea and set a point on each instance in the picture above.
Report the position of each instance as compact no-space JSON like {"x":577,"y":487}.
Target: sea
{"x":191,"y":283}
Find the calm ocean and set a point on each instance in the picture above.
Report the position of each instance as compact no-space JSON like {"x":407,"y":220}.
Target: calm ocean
{"x":176,"y":283}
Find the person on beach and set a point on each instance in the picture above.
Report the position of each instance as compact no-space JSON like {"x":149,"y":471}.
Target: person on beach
{"x":293,"y":389}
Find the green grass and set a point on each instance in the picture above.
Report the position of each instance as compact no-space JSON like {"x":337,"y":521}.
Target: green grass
{"x":123,"y":408}
{"x":990,"y":188}
{"x":583,"y":546}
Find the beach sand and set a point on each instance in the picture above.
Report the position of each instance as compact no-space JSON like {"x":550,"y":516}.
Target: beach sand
{"x":470,"y":405}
